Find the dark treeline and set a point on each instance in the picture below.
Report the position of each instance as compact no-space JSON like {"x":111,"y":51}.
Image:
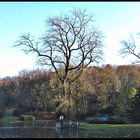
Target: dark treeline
{"x":99,"y":90}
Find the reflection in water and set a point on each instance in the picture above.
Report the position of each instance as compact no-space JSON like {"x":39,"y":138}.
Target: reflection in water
{"x":36,"y":129}
{"x":35,"y":133}
{"x":68,"y":133}
{"x":45,"y":129}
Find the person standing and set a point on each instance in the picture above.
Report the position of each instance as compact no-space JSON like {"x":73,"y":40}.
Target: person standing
{"x":61,"y":118}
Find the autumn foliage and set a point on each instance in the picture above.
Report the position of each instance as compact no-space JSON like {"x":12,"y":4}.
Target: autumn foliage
{"x":99,"y":90}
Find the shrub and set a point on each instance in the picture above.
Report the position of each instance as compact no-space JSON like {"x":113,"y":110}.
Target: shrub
{"x":93,"y":120}
{"x":135,"y":118}
{"x":27,"y":118}
{"x":17,"y":112}
{"x":118,"y":119}
{"x":44,"y":115}
{"x":2,"y":111}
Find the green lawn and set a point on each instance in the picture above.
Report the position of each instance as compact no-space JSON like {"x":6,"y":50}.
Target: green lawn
{"x":8,"y":117}
{"x":110,"y":126}
{"x":113,"y":130}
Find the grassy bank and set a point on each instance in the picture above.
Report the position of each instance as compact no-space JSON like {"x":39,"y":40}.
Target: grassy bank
{"x":113,"y":130}
{"x":110,"y":126}
{"x":8,"y":117}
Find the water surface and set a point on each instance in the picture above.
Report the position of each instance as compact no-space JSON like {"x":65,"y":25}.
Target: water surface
{"x":47,"y":129}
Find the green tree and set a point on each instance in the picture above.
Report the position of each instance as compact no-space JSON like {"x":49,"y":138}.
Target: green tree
{"x":134,"y":108}
{"x":8,"y":92}
{"x":128,"y":78}
{"x":108,"y":89}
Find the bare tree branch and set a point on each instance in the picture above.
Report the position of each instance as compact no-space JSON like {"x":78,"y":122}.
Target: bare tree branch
{"x":70,"y":42}
{"x":129,"y":48}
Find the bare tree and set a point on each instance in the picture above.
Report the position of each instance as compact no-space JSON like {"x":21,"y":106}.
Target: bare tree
{"x":130,"y":48}
{"x":70,"y":44}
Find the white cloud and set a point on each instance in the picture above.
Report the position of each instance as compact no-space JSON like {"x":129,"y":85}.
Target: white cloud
{"x":11,"y":64}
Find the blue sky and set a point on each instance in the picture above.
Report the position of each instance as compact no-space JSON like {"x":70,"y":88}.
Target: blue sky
{"x":115,"y":19}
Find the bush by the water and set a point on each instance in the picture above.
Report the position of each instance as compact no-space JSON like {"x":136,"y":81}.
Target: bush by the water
{"x":18,"y":112}
{"x":44,"y":115}
{"x":2,"y":111}
{"x":118,"y":119}
{"x":27,"y":118}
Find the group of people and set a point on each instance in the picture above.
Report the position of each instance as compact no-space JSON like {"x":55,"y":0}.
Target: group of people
{"x":70,"y":123}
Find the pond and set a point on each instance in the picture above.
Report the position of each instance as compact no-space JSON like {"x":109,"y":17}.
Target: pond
{"x":47,"y":129}
{"x":36,"y":129}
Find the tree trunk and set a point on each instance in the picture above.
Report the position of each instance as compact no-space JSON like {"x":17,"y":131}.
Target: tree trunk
{"x":66,"y":98}
{"x":77,"y":113}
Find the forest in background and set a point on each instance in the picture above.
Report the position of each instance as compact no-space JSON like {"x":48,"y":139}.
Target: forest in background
{"x":74,"y":86}
{"x":108,"y":90}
